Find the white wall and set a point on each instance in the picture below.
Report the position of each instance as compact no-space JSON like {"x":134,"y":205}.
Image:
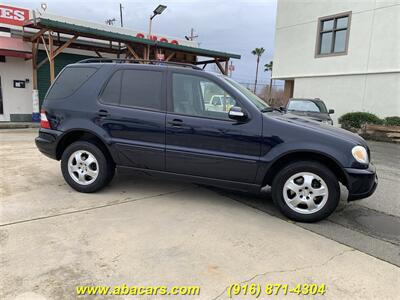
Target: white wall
{"x":374,"y":40}
{"x":16,"y":100}
{"x":378,"y":93}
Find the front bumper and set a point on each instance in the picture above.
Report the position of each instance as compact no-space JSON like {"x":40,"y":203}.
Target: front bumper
{"x":361,"y":182}
{"x":47,"y":142}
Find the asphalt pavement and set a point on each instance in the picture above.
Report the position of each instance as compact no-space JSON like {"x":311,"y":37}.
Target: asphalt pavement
{"x":371,"y":225}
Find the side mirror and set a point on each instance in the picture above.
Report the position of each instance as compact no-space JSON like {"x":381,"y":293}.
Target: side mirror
{"x":331,"y":111}
{"x":236,"y":113}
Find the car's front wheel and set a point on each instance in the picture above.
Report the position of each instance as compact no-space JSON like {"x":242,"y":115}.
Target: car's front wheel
{"x":306,"y":191}
{"x":85,"y":167}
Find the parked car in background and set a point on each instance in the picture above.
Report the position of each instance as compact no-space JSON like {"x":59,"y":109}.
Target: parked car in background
{"x":314,"y":109}
{"x":152,"y":118}
{"x":220,"y":103}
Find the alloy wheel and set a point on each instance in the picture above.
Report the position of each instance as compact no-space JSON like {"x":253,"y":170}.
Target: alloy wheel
{"x":83,"y":167}
{"x":305,"y":192}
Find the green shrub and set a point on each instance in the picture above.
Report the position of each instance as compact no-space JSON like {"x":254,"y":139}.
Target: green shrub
{"x":358,"y":119}
{"x":392,"y":121}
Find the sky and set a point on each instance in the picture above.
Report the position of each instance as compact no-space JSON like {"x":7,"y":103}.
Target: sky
{"x":234,"y":26}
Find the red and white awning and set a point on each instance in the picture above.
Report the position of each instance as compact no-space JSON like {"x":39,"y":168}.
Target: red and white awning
{"x":15,"y":47}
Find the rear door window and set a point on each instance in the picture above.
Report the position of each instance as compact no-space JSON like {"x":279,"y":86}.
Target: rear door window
{"x":142,"y":89}
{"x":112,"y":91}
{"x":69,"y":81}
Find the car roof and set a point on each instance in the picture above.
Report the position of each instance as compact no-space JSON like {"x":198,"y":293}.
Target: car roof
{"x":172,"y":66}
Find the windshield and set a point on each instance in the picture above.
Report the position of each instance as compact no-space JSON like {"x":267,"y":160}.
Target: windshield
{"x":307,"y":105}
{"x":261,"y":105}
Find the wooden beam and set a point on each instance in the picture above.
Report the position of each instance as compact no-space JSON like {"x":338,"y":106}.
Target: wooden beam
{"x":170,"y":56}
{"x":56,"y":52}
{"x":148,"y":52}
{"x":45,"y":47}
{"x":132,"y":51}
{"x":226,"y":67}
{"x":206,"y":61}
{"x":38,"y":34}
{"x":35,"y":45}
{"x":39,"y":65}
{"x":51,"y":58}
{"x":65,"y":45}
{"x":220,"y":66}
{"x":98,"y":54}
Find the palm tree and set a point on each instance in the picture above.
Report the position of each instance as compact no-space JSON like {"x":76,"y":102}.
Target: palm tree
{"x":268,"y":67}
{"x":257,"y":52}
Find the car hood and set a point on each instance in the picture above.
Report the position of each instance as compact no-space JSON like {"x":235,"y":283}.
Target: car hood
{"x":313,"y":115}
{"x":319,"y":127}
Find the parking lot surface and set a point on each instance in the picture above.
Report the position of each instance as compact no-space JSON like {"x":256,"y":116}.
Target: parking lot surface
{"x":143,"y":231}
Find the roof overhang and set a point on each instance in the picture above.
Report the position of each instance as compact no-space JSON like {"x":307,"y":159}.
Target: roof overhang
{"x":117,"y":36}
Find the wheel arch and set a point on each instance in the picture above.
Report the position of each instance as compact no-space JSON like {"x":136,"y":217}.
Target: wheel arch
{"x":288,"y":158}
{"x":75,"y":135}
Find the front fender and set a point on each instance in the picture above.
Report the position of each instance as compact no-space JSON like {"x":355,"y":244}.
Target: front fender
{"x":335,"y":154}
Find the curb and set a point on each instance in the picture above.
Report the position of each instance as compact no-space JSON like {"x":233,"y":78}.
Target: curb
{"x":18,"y":125}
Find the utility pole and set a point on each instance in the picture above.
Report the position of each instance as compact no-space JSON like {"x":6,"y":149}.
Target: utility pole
{"x":122,"y":25}
{"x":192,"y":36}
{"x":120,"y":15}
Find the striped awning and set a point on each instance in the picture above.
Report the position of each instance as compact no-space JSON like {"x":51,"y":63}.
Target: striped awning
{"x":15,"y":47}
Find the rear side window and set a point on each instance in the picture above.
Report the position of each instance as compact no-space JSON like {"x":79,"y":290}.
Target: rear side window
{"x":142,"y":88}
{"x":112,"y":91}
{"x":69,"y":81}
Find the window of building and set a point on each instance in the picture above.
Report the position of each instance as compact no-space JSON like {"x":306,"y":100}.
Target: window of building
{"x":333,"y":35}
{"x":2,"y":59}
{"x":142,"y":88}
{"x":197,"y":96}
{"x":1,"y":99}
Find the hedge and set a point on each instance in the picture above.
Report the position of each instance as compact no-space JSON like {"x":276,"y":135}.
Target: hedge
{"x":358,"y":119}
{"x":392,"y":121}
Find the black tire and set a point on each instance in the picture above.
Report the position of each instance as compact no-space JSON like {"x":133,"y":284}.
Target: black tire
{"x":313,"y":167}
{"x":106,"y":167}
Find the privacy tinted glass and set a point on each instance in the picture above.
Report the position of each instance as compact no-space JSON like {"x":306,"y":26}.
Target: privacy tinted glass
{"x":142,"y":88}
{"x":112,"y":91}
{"x":69,"y":81}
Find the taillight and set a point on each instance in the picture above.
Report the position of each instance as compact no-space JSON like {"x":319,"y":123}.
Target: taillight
{"x":44,"y":123}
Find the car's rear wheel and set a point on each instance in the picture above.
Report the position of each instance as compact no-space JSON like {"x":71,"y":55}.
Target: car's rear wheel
{"x":306,"y":191}
{"x":85,"y":167}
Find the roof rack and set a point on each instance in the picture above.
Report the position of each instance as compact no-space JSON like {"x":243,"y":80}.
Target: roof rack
{"x":138,"y":61}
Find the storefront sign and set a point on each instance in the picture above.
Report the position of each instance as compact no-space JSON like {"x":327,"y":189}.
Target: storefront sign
{"x":13,"y":15}
{"x":19,"y":84}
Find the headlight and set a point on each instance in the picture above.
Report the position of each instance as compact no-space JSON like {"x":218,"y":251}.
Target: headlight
{"x":360,"y":154}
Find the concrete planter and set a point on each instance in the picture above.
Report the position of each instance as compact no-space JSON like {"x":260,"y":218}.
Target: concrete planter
{"x":381,"y":133}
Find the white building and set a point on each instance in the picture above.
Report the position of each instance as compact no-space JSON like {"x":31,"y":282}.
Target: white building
{"x":345,"y":52}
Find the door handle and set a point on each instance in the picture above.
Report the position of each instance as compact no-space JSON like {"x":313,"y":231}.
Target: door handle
{"x":176,"y":122}
{"x":103,"y":113}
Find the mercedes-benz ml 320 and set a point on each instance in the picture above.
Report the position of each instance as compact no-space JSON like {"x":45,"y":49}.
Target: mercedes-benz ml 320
{"x":153,"y":117}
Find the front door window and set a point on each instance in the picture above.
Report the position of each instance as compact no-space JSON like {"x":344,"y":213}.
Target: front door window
{"x":197,"y":96}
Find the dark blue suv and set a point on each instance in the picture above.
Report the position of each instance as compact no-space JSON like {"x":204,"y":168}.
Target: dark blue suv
{"x":160,"y":119}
